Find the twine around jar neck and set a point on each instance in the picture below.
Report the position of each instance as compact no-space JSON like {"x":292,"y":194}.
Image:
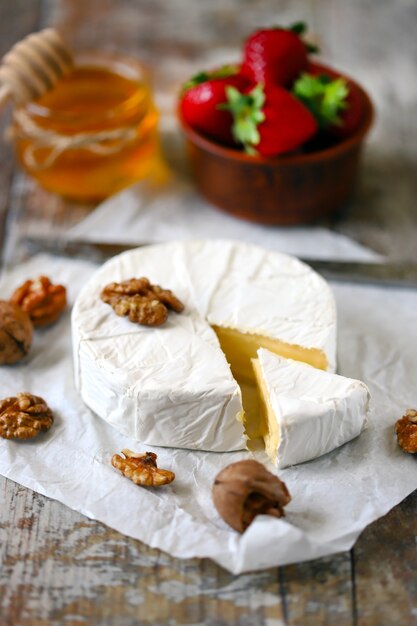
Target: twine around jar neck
{"x":104,"y":143}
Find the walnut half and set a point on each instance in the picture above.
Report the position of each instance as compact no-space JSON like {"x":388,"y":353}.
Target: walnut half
{"x":41,"y":300}
{"x":24,"y":416}
{"x":142,"y":468}
{"x":142,"y":302}
{"x":406,"y":430}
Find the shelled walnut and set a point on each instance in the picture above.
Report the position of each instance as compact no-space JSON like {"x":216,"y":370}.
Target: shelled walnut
{"x":24,"y":416}
{"x":41,"y":300}
{"x":142,"y":468}
{"x":406,"y":431}
{"x":16,"y":332}
{"x":245,"y":489}
{"x":142,"y":302}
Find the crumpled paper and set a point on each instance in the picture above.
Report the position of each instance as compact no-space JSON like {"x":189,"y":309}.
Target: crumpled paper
{"x":155,"y":213}
{"x":334,"y":497}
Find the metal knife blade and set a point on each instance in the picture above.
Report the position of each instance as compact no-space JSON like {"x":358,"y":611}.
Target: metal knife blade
{"x":387,"y":274}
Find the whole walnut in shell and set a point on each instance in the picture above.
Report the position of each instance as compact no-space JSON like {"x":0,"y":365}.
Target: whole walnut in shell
{"x":245,"y":489}
{"x":16,"y":332}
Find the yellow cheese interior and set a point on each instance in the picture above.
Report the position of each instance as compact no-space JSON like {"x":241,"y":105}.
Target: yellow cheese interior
{"x":255,"y":425}
{"x":268,"y":418}
{"x":240,"y":350}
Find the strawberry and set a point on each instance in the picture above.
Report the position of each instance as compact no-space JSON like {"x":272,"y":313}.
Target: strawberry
{"x":269,"y":120}
{"x":335,"y":102}
{"x":201,"y":97}
{"x":275,"y":55}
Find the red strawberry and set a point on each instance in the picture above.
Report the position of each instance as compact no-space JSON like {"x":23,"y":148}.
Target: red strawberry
{"x":352,"y":115}
{"x":275,"y":55}
{"x":269,"y":121}
{"x":201,"y":98}
{"x":335,"y":101}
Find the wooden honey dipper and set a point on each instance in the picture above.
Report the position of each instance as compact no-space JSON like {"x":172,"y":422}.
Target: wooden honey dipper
{"x":33,"y":66}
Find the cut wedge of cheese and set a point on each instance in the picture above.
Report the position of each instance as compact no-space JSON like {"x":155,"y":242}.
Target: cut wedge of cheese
{"x":173,"y":385}
{"x":306,"y":412}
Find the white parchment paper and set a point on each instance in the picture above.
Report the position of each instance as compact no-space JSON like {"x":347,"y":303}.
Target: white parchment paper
{"x":334,"y":497}
{"x":149,"y":213}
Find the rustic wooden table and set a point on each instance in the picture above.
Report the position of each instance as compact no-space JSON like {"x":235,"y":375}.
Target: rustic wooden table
{"x":58,"y":567}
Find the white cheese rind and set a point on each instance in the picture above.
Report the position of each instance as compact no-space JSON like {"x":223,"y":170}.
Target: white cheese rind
{"x":168,"y":386}
{"x":316,"y":411}
{"x":172,"y":386}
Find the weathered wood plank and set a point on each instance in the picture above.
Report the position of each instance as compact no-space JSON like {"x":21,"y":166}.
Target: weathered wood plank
{"x":59,"y":567}
{"x":386,"y":569}
{"x":319,"y":592}
{"x":56,"y":564}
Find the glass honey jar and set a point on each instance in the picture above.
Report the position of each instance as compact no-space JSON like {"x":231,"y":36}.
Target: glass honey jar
{"x":94,"y":133}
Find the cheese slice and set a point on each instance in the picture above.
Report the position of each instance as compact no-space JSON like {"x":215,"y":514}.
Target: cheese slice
{"x":306,"y":412}
{"x":173,"y":385}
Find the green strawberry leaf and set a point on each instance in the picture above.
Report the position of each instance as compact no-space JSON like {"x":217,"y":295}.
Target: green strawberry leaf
{"x":203,"y":76}
{"x":197,"y":79}
{"x":311,"y":47}
{"x":323,"y":96}
{"x":246,"y":109}
{"x":257,"y":95}
{"x":224,"y":71}
{"x":299,"y":28}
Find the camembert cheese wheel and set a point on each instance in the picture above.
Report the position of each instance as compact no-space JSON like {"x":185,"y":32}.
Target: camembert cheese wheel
{"x":181,"y":384}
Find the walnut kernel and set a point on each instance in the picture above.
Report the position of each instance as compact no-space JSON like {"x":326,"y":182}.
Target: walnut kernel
{"x":141,"y":301}
{"x":43,"y":301}
{"x":245,"y":489}
{"x":16,"y":332}
{"x":406,"y":431}
{"x":24,"y":416}
{"x":142,"y":468}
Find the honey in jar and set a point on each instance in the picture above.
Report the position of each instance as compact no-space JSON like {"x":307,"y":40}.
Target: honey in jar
{"x":94,"y":133}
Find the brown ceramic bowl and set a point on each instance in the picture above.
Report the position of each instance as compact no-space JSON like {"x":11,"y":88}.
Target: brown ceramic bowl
{"x":285,"y":190}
